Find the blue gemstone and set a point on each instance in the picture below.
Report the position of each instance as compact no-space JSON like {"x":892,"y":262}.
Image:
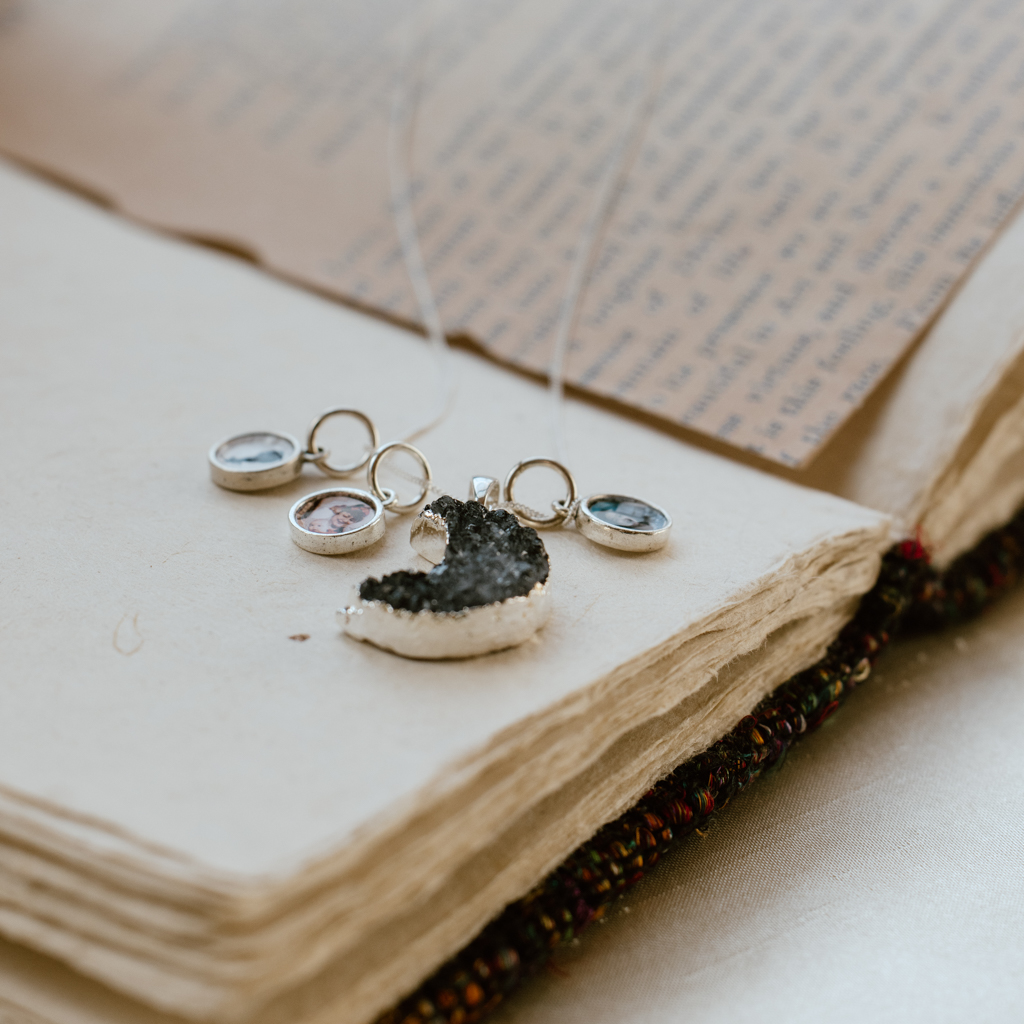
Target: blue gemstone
{"x":628,"y":513}
{"x":255,"y":450}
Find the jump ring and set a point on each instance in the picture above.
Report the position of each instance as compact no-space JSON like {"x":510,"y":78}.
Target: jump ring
{"x":566,"y":507}
{"x":560,"y":508}
{"x":381,"y":493}
{"x":321,"y":459}
{"x":318,"y":456}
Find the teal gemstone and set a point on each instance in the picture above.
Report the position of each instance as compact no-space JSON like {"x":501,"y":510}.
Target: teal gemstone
{"x":254,"y":450}
{"x":628,"y":513}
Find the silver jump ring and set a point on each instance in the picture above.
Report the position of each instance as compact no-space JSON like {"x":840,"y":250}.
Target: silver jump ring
{"x":384,"y":494}
{"x":319,"y":456}
{"x":561,"y":508}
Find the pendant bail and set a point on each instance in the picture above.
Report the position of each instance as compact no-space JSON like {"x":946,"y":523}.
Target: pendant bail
{"x":485,"y":490}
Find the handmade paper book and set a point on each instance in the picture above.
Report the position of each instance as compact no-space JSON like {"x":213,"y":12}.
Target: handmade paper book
{"x":224,"y":822}
{"x":204,"y":818}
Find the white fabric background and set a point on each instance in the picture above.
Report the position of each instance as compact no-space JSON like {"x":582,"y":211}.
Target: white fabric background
{"x":876,"y":877}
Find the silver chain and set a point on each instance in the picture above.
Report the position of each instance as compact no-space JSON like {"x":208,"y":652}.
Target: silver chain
{"x":514,"y":507}
{"x":401,"y":138}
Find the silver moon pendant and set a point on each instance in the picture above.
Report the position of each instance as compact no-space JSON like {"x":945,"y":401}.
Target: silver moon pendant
{"x":623,"y":523}
{"x":488,"y":590}
{"x":336,"y":521}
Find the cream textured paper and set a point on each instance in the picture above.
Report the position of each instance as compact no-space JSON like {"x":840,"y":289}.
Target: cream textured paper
{"x":875,"y":877}
{"x":207,"y":813}
{"x":813,"y":181}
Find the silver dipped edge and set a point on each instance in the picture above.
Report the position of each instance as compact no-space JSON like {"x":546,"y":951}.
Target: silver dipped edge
{"x":433,"y":636}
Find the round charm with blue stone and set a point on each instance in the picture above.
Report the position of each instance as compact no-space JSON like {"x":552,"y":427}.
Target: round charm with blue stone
{"x":624,"y":523}
{"x":255,"y":461}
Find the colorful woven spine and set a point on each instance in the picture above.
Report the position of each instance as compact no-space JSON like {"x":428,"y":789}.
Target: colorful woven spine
{"x":909,"y":594}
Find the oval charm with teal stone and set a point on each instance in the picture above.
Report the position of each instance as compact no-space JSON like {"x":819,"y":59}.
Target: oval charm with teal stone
{"x":623,"y":523}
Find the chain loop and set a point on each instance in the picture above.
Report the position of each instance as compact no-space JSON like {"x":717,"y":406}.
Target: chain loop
{"x":419,"y":481}
{"x":319,"y":456}
{"x":560,"y":508}
{"x":382,"y":494}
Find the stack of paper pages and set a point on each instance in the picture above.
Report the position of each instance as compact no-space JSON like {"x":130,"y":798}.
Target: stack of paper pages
{"x":213,"y":806}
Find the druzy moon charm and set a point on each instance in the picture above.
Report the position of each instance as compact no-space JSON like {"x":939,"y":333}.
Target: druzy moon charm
{"x":487,"y":592}
{"x":623,"y":523}
{"x":336,"y":521}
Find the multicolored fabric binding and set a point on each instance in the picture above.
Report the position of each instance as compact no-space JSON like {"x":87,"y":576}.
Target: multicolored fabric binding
{"x":909,"y":595}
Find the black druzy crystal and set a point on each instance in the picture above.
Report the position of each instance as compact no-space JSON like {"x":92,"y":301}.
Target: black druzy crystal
{"x":489,"y":558}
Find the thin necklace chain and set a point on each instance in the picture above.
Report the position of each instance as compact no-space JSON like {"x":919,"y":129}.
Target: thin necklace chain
{"x":609,"y":188}
{"x":401,"y":139}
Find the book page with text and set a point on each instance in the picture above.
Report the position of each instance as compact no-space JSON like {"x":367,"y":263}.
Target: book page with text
{"x":812,"y":181}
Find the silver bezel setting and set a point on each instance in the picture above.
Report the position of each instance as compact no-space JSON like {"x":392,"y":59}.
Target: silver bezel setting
{"x":225,"y":475}
{"x":436,"y":636}
{"x":337,"y":543}
{"x":621,"y":538}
